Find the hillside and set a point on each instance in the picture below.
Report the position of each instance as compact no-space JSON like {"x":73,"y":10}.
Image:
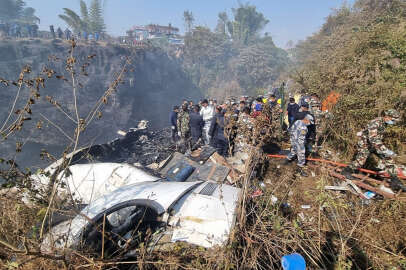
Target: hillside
{"x":360,"y":54}
{"x":153,"y":83}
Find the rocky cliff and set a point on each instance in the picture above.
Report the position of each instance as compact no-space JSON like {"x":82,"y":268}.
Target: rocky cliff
{"x":153,"y":83}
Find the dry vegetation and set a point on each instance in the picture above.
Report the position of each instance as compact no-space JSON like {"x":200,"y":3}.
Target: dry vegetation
{"x":338,"y":231}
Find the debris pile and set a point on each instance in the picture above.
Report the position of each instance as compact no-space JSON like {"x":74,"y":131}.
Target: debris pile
{"x":139,"y":146}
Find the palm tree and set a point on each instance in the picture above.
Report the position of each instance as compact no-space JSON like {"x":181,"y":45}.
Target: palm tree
{"x":73,"y":20}
{"x":90,"y":19}
{"x":85,"y":15}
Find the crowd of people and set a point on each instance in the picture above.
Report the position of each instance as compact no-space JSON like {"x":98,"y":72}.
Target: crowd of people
{"x":68,"y":34}
{"x":22,"y":30}
{"x":234,"y":126}
{"x":19,"y":30}
{"x":231,"y":125}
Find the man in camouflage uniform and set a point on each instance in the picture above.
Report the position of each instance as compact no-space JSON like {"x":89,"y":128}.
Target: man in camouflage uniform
{"x":183,"y":123}
{"x":370,"y":140}
{"x":298,"y":134}
{"x":276,"y":112}
{"x":318,"y":114}
{"x":244,"y":130}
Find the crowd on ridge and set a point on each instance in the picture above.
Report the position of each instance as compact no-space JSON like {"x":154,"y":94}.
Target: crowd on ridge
{"x":234,"y":126}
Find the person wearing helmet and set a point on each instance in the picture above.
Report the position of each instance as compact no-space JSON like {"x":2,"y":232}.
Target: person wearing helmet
{"x":298,"y":135}
{"x":370,"y":140}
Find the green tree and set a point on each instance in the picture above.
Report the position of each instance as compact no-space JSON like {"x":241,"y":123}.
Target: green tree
{"x":13,"y":10}
{"x":96,"y":18}
{"x":222,"y":22}
{"x":260,"y":64}
{"x":206,"y":56}
{"x":189,"y":19}
{"x":28,"y":16}
{"x":90,"y":19}
{"x":247,"y":24}
{"x":222,"y":64}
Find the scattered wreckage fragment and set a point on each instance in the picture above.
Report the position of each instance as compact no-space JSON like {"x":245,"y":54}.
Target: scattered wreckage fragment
{"x":363,"y":180}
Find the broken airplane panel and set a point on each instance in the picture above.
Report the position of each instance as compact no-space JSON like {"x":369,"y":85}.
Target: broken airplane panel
{"x":200,"y":213}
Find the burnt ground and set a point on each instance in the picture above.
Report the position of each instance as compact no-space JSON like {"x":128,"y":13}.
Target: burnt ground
{"x":138,"y":146}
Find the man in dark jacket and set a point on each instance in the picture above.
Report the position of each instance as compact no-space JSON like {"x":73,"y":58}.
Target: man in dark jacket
{"x":59,"y":32}
{"x":173,"y":118}
{"x":219,"y":140}
{"x":293,"y":108}
{"x":196,"y":126}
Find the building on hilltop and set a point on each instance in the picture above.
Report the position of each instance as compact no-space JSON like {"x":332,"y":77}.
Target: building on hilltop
{"x":152,"y":31}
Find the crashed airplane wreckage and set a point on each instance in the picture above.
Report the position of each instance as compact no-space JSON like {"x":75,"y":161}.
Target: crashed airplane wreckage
{"x":185,"y":198}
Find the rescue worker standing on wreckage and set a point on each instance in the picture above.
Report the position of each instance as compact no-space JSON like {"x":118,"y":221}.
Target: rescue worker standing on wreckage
{"x":298,"y":135}
{"x":183,"y":123}
{"x":196,"y":127}
{"x":370,"y":141}
{"x":216,"y":132}
{"x":207,"y":112}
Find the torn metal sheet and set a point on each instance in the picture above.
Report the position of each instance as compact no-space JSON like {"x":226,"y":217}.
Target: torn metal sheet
{"x":210,"y":172}
{"x":177,"y":159}
{"x":206,"y":220}
{"x":88,"y":182}
{"x":205,"y":172}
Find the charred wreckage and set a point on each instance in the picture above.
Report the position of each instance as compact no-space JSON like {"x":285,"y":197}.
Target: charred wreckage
{"x":138,"y":189}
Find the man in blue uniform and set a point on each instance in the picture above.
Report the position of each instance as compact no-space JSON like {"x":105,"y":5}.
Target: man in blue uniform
{"x":298,"y":136}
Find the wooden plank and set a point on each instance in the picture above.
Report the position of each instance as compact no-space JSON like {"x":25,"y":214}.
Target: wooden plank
{"x":337,"y":188}
{"x":373,"y":189}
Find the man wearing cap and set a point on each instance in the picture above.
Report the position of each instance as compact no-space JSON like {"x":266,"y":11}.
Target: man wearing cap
{"x":370,"y":140}
{"x":298,"y":135}
{"x":311,"y":133}
{"x":303,"y":111}
{"x":292,"y":109}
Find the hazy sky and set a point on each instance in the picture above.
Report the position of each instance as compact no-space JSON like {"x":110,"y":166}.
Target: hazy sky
{"x":289,"y":19}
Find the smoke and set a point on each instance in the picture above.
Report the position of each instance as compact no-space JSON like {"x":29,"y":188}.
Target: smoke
{"x":153,"y":84}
